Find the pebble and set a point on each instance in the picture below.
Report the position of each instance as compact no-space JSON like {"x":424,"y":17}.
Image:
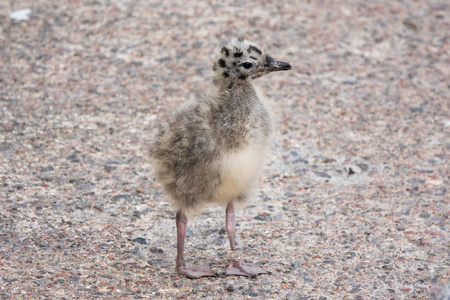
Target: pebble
{"x":121,"y":196}
{"x":48,"y":168}
{"x":140,"y":240}
{"x":425,"y":215}
{"x":349,"y":80}
{"x":202,"y":246}
{"x":109,"y":168}
{"x":155,"y":250}
{"x":73,"y":158}
{"x":321,"y":174}
{"x":363,"y":167}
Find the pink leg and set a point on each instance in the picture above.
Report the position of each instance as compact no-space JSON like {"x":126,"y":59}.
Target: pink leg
{"x":192,"y":272}
{"x":230,"y":224}
{"x":236,"y":266}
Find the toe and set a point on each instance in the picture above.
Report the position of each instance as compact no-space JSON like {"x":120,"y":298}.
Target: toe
{"x":196,"y":272}
{"x":252,"y":269}
{"x":236,"y":271}
{"x":239,"y":268}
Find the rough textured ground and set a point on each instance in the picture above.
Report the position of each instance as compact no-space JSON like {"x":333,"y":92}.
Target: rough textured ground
{"x":353,"y":204}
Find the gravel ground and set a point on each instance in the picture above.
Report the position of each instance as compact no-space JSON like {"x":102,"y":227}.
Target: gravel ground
{"x":353,"y":203}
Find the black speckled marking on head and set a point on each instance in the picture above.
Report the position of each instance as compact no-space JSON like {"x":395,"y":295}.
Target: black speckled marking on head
{"x":254,"y":58}
{"x":225,"y":74}
{"x":215,"y":67}
{"x":240,"y":39}
{"x":243,"y":77}
{"x":253,"y":48}
{"x":225,"y":51}
{"x":238,"y":54}
{"x":222,"y":63}
{"x":269,"y":60}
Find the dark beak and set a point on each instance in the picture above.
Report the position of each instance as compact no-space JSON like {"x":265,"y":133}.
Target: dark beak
{"x":279,"y":66}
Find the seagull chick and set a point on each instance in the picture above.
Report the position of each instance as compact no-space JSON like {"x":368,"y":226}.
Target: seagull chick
{"x":212,"y":149}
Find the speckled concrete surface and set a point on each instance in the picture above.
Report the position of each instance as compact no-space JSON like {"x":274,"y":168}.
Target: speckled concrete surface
{"x":353,"y":203}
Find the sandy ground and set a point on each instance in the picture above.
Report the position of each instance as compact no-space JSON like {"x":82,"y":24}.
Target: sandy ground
{"x":353,"y":203}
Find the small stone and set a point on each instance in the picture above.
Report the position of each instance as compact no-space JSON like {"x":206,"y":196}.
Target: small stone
{"x":387,"y":267}
{"x":220,"y":241}
{"x":307,"y":280}
{"x":300,"y":160}
{"x":425,"y":215}
{"x":300,"y":171}
{"x":88,"y":186}
{"x":405,"y":289}
{"x":411,"y":24}
{"x":401,"y":228}
{"x":21,"y":14}
{"x":140,"y":240}
{"x":156,"y":262}
{"x":349,"y":80}
{"x":156,"y":250}
{"x":363,"y":167}
{"x":415,"y":181}
{"x":263,"y":217}
{"x":202,"y":246}
{"x":113,"y":162}
{"x":18,"y":186}
{"x":416,"y":109}
{"x":109,"y":168}
{"x":98,"y":207}
{"x":164,"y":59}
{"x":121,"y":196}
{"x":328,"y":160}
{"x":73,"y":158}
{"x":103,"y":246}
{"x":229,"y":289}
{"x":290,"y":195}
{"x":322,"y":174}
{"x":47,"y":169}
{"x":434,"y":181}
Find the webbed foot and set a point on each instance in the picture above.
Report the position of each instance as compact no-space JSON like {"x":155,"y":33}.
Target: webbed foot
{"x":196,"y":272}
{"x":239,"y":268}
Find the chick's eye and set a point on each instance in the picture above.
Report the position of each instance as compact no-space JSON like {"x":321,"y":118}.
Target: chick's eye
{"x":247,"y":65}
